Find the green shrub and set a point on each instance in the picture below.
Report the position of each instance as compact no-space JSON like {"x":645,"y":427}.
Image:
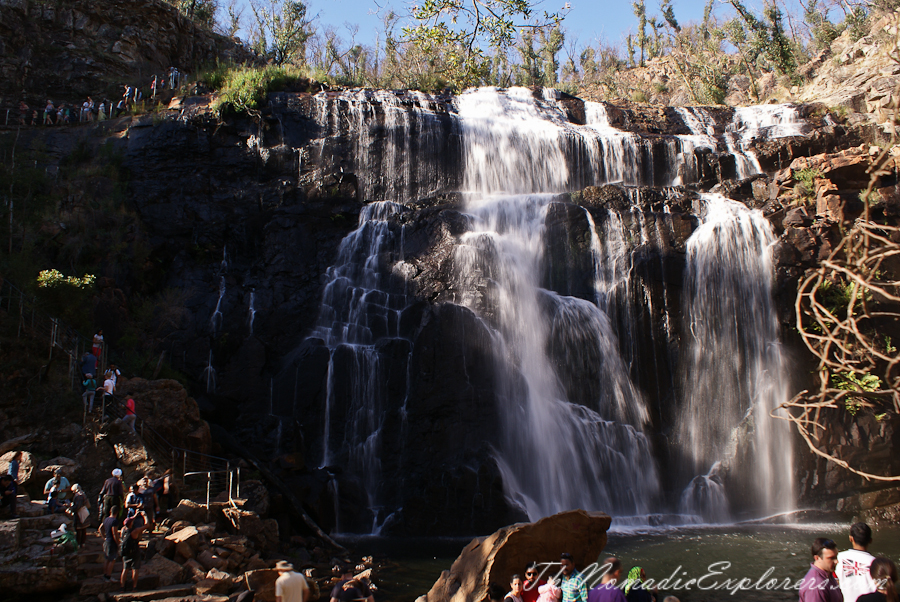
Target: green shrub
{"x":639,"y":96}
{"x":244,"y":89}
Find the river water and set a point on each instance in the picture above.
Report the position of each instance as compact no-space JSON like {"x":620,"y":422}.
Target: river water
{"x":410,"y":567}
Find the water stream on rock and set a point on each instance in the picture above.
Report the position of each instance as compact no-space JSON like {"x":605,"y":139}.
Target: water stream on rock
{"x":576,"y":429}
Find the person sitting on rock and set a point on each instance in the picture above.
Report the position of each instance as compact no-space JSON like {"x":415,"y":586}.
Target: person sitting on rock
{"x":129,"y":547}
{"x":56,"y":490}
{"x":8,"y":492}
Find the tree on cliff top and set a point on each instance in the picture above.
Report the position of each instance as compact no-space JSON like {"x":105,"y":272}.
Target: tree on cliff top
{"x":281,"y":29}
{"x":463,"y":31}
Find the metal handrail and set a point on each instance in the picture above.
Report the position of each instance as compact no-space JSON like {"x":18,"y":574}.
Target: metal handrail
{"x":192,"y":463}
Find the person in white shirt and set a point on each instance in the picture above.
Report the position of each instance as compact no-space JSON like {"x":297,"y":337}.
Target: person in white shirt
{"x":853,"y":565}
{"x":290,"y":586}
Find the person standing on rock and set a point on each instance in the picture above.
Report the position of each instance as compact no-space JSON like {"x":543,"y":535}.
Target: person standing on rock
{"x":819,"y":584}
{"x":290,"y":586}
{"x":853,"y":564}
{"x":109,"y":531}
{"x":8,"y":492}
{"x":88,"y":364}
{"x":573,"y":587}
{"x":130,"y":549}
{"x":98,"y":339}
{"x":13,"y":469}
{"x":80,"y":512}
{"x":112,"y":494}
{"x":607,"y":590}
{"x":130,"y":416}
{"x":89,"y":384}
{"x":532,"y":582}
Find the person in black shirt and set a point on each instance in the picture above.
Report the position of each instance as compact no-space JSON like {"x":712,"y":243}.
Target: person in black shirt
{"x":109,"y":531}
{"x":112,"y":493}
{"x":8,"y":493}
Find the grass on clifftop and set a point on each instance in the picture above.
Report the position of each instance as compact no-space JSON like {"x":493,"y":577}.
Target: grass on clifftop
{"x":242,"y":89}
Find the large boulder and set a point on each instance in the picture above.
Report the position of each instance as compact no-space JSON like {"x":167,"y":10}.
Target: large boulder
{"x":26,"y":466}
{"x":67,"y":466}
{"x":495,"y":558}
{"x":169,"y":572}
{"x":165,"y":406}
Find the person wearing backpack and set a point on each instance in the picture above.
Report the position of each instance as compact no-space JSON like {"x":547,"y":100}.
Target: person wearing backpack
{"x":130,"y":549}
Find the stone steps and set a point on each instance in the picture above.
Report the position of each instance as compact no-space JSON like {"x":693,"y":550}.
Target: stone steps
{"x":98,"y":585}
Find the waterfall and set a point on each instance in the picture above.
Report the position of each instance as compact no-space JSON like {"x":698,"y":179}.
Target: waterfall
{"x":761,"y":121}
{"x":735,"y":372}
{"x":553,"y":454}
{"x":360,"y":307}
{"x":251,"y":311}
{"x":215,"y":321}
{"x":209,"y":375}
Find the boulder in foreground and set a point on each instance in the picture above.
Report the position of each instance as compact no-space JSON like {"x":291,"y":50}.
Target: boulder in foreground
{"x":497,"y":557}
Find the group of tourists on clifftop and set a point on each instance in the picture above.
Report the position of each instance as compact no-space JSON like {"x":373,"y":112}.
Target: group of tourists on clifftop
{"x":65,"y":113}
{"x":853,"y":575}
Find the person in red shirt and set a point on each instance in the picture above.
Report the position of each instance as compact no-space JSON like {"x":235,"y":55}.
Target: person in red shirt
{"x":130,"y":416}
{"x":532,"y":583}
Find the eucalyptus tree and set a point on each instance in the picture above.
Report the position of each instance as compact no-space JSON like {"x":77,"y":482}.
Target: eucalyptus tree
{"x":467,"y":32}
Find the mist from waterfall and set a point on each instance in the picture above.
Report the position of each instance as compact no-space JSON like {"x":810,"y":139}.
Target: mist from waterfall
{"x":735,"y":371}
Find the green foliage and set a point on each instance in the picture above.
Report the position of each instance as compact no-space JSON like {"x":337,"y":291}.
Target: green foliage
{"x":837,"y":294}
{"x":462,"y":31}
{"x":766,"y":38}
{"x":848,"y":381}
{"x":639,"y":96}
{"x":857,"y":23}
{"x":244,"y":89}
{"x":822,"y":31}
{"x":281,"y":29}
{"x":202,"y":12}
{"x":806,"y":178}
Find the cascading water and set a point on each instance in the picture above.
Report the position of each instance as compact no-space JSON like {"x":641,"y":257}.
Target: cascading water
{"x":556,"y":450}
{"x":357,"y":311}
{"x":734,"y":373}
{"x":554,"y":455}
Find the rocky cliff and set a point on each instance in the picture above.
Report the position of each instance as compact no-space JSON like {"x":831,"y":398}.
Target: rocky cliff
{"x":68,"y":51}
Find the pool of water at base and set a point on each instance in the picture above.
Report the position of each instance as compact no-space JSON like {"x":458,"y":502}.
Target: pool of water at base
{"x":756,"y":554}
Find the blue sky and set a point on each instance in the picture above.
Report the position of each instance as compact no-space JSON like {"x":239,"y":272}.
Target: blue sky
{"x":586,"y":20}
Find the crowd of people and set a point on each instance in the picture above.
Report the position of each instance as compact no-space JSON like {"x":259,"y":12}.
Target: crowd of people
{"x":104,"y":387}
{"x":126,"y":516}
{"x":64,"y":113}
{"x":853,"y":575}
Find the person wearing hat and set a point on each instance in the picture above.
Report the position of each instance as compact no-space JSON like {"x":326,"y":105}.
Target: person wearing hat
{"x":290,"y":586}
{"x":348,"y":588}
{"x":55,"y":490}
{"x":112,"y":493}
{"x":80,"y":510}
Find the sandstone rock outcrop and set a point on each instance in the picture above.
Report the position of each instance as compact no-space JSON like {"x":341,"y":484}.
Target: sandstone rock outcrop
{"x":495,"y":558}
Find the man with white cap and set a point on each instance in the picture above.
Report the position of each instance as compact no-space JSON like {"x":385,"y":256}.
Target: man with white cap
{"x":290,"y":586}
{"x":112,"y":493}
